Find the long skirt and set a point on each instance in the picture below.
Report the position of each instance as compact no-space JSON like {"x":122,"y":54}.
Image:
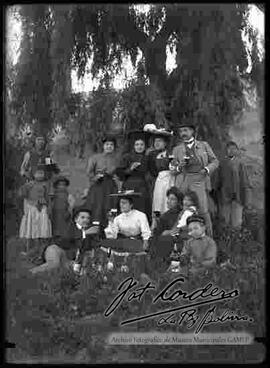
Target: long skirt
{"x":61,"y":220}
{"x":164,"y":181}
{"x":126,"y":255}
{"x":142,"y":203}
{"x":35,"y":224}
{"x":99,"y":201}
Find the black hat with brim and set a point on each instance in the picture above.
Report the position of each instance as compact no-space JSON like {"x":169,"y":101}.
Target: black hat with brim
{"x":187,"y":125}
{"x":126,"y":194}
{"x":109,"y":138}
{"x":60,"y":178}
{"x":135,"y":135}
{"x":78,"y":210}
{"x":195,"y":218}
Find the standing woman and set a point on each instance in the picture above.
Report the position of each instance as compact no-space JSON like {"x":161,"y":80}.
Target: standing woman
{"x":134,"y":171}
{"x":160,"y":168}
{"x":62,"y":205}
{"x":101,"y":169}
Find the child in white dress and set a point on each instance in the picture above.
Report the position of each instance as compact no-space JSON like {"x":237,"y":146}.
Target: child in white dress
{"x":190,"y":205}
{"x":35,"y":223}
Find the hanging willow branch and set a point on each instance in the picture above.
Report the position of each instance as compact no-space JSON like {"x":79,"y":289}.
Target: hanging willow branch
{"x":205,"y":86}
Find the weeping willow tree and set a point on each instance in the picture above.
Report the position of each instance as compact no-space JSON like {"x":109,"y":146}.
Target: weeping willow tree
{"x":33,"y":87}
{"x":206,"y":85}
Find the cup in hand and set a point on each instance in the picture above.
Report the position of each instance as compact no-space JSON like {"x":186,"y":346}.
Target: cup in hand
{"x":48,"y":161}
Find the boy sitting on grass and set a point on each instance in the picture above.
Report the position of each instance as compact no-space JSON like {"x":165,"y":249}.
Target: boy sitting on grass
{"x":200,"y":251}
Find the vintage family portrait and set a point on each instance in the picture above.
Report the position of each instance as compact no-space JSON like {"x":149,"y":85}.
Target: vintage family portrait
{"x":134,"y":183}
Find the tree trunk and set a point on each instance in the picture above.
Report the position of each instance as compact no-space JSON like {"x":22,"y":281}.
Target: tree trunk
{"x":155,"y":62}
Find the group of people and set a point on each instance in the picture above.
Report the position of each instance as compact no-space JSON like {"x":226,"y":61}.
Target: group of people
{"x":153,"y":195}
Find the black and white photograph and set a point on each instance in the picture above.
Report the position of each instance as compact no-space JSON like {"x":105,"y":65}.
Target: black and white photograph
{"x":133,"y":164}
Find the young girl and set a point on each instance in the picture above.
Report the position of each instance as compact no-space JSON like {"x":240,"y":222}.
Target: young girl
{"x":35,"y":224}
{"x":62,"y":206}
{"x":180,"y":229}
{"x":190,"y":206}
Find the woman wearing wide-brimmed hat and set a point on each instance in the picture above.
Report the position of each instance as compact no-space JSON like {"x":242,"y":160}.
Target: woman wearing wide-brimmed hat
{"x":131,"y":223}
{"x":160,"y":160}
{"x":134,"y":170}
{"x":101,"y":168}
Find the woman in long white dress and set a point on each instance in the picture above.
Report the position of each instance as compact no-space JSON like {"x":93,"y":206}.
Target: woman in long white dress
{"x":160,"y":160}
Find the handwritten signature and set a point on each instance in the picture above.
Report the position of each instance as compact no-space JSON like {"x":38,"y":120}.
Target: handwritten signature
{"x":208,"y":294}
{"x":191,"y":318}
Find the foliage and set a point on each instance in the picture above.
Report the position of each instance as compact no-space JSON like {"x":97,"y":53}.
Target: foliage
{"x":61,"y":315}
{"x":91,"y":117}
{"x":60,"y":60}
{"x":205,"y":86}
{"x":33,"y":84}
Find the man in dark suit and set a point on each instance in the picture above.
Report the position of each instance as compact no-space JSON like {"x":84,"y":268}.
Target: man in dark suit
{"x":81,"y":236}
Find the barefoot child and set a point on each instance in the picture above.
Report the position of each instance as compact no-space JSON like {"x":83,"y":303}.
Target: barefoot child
{"x":35,"y":224}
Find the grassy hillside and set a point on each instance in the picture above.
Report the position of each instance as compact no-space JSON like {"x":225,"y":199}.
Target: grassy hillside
{"x":58,"y":318}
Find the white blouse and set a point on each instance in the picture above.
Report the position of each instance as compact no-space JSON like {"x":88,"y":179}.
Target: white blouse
{"x":132,"y":223}
{"x":185,"y":215}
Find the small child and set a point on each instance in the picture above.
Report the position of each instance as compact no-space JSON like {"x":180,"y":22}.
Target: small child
{"x":190,"y":206}
{"x":200,"y":251}
{"x":62,"y":206}
{"x":35,"y":223}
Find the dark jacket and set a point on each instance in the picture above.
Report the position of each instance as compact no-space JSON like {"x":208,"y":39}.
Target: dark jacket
{"x":167,"y":221}
{"x":74,"y":240}
{"x":234,"y":182}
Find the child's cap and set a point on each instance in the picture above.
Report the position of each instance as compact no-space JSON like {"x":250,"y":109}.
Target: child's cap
{"x":195,"y":218}
{"x":60,"y":178}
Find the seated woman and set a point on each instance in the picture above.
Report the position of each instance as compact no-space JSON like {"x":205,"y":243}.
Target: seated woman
{"x":174,"y":230}
{"x":131,"y":223}
{"x":162,"y":239}
{"x":169,"y":218}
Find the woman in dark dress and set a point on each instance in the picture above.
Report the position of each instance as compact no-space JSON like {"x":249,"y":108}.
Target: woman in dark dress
{"x":101,"y":170}
{"x":62,"y":206}
{"x":134,"y":172}
{"x":162,"y":241}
